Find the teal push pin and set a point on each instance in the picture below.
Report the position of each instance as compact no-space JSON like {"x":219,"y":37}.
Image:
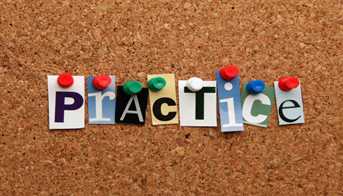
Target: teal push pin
{"x":156,"y":84}
{"x":132,"y":87}
{"x":255,"y":86}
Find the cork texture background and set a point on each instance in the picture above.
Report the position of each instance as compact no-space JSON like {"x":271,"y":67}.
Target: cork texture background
{"x":130,"y":39}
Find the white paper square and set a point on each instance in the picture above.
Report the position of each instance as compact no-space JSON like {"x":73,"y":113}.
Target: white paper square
{"x":73,"y":119}
{"x":291,"y":113}
{"x":188,"y":104}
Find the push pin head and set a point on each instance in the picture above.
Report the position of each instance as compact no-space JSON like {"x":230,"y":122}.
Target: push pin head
{"x":195,"y":84}
{"x":156,"y":84}
{"x":65,"y":80}
{"x":132,"y":87}
{"x":288,"y":83}
{"x":229,"y":72}
{"x":102,"y":82}
{"x":255,"y":86}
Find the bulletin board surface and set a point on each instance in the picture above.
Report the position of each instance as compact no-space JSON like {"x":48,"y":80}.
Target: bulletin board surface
{"x":130,"y":39}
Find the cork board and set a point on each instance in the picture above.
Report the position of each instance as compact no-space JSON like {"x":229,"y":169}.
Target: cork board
{"x":265,"y":38}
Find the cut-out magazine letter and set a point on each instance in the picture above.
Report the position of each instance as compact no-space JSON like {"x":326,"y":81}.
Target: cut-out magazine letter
{"x":131,"y":109}
{"x":66,"y":105}
{"x":198,"y":109}
{"x":163,"y":104}
{"x":290,"y":106}
{"x":257,"y":108}
{"x":230,"y":108}
{"x":101,"y":103}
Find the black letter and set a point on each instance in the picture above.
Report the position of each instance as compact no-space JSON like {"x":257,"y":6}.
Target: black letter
{"x":61,"y":106}
{"x":283,"y":116}
{"x":199,"y":100}
{"x":157,"y":109}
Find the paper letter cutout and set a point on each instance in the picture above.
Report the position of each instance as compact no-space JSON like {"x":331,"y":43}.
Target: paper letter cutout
{"x":101,"y":104}
{"x":230,"y":108}
{"x":163,"y":103}
{"x":290,"y":106}
{"x":131,"y":109}
{"x":198,"y":108}
{"x":257,"y":108}
{"x":66,"y":105}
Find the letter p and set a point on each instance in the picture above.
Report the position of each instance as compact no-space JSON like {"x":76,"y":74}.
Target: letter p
{"x":61,"y":105}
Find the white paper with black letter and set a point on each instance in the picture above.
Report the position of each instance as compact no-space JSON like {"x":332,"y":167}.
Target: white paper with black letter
{"x":66,"y":105}
{"x":198,"y":108}
{"x":290,"y":106}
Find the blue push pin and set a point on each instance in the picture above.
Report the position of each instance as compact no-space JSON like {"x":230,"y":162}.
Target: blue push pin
{"x":255,"y":86}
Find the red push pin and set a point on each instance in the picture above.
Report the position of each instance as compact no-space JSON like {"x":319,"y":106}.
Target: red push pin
{"x":229,"y":72}
{"x":65,"y":80}
{"x":102,"y":82}
{"x":287,"y":83}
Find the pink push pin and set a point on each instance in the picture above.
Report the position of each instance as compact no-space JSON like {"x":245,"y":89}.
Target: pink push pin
{"x":65,"y":80}
{"x":101,"y":82}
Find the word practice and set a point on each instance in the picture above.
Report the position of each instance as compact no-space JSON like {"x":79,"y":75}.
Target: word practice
{"x":197,"y":105}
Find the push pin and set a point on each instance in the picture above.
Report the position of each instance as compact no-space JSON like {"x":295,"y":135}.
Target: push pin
{"x":102,"y":82}
{"x":195,"y":84}
{"x":132,"y":87}
{"x":255,"y":86}
{"x":65,"y":80}
{"x":156,"y":84}
{"x":288,"y":83}
{"x":229,"y":72}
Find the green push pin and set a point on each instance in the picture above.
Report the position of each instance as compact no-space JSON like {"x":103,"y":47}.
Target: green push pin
{"x":132,"y":87}
{"x":156,"y":84}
